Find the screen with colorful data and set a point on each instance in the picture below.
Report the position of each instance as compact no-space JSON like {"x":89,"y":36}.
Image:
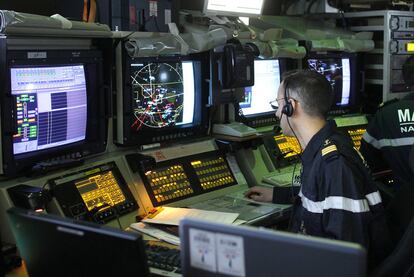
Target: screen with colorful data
{"x":162,"y":99}
{"x":54,"y":109}
{"x":51,"y":106}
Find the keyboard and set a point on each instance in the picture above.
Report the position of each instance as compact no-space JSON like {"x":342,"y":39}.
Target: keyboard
{"x":246,"y":209}
{"x":163,"y":259}
{"x":282,"y":178}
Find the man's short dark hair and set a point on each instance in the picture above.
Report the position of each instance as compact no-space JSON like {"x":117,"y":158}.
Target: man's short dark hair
{"x":311,"y":89}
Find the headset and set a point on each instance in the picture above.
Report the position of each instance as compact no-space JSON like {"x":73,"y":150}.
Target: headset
{"x":288,"y":107}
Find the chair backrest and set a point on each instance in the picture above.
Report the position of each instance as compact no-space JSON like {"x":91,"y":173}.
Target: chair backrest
{"x":401,"y":261}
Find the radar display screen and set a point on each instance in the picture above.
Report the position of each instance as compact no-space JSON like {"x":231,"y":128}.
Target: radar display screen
{"x":213,"y":172}
{"x":168,"y":183}
{"x":163,"y":94}
{"x":337,"y":71}
{"x":288,"y":146}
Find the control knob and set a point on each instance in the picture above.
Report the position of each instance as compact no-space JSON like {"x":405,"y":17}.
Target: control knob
{"x":393,"y":46}
{"x":394,"y":23}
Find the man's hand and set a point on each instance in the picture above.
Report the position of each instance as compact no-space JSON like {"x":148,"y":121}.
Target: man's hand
{"x":260,"y":194}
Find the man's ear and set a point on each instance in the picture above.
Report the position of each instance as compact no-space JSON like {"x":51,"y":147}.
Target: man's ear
{"x":294,"y":105}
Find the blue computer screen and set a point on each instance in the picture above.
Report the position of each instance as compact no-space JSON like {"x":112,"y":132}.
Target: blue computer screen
{"x":51,"y":106}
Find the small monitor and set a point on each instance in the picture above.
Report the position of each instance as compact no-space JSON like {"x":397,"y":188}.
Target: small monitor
{"x":341,"y":72}
{"x":57,"y":246}
{"x":97,"y":194}
{"x":161,"y":100}
{"x":283,"y":150}
{"x":255,"y":110}
{"x":51,"y":106}
{"x":288,"y":146}
{"x":233,"y":7}
{"x":216,"y":250}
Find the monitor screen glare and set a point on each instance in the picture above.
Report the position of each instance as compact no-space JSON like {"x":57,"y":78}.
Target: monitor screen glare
{"x":51,"y":106}
{"x":234,"y":7}
{"x":337,"y":72}
{"x":163,"y":94}
{"x":266,"y":85}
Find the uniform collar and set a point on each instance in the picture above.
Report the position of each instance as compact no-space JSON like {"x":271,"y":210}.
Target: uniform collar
{"x":317,"y":141}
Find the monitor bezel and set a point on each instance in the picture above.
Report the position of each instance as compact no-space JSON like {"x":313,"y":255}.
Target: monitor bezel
{"x":273,"y":249}
{"x":354,"y":67}
{"x":266,"y":118}
{"x":75,"y":234}
{"x":229,"y":13}
{"x":198,"y":128}
{"x":96,"y":127}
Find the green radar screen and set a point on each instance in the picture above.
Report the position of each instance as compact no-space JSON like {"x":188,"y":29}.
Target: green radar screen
{"x":158,"y":95}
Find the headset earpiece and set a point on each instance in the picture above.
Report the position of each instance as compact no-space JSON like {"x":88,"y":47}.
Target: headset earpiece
{"x":287,"y":108}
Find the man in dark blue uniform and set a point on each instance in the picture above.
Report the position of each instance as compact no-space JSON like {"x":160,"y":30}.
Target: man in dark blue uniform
{"x":390,"y":135}
{"x":337,"y":198}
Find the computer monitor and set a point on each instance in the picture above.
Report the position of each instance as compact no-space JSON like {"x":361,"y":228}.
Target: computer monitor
{"x":211,"y":249}
{"x":53,"y":108}
{"x":233,"y":7}
{"x":161,"y":99}
{"x":57,"y":246}
{"x":255,"y":110}
{"x":341,"y":70}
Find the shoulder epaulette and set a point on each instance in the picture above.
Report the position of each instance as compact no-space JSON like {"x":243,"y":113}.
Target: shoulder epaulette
{"x":329,"y":149}
{"x":384,"y":104}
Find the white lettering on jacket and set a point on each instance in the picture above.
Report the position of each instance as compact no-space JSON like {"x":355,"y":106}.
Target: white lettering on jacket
{"x":406,"y":119}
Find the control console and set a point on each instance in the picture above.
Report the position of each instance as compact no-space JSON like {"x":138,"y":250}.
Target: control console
{"x":97,"y":194}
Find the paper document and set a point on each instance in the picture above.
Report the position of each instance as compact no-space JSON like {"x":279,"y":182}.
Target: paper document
{"x":155,"y":232}
{"x":172,"y":216}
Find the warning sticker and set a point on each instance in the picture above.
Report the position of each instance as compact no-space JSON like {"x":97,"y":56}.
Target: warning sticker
{"x":230,"y":255}
{"x":203,"y":250}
